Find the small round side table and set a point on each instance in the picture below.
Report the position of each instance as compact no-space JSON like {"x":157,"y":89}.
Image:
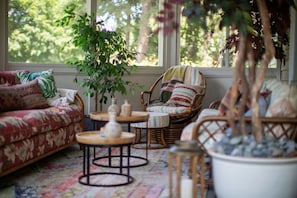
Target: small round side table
{"x":92,"y":139}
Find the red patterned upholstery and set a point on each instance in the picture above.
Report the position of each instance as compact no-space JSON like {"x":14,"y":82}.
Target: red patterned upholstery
{"x":27,"y":135}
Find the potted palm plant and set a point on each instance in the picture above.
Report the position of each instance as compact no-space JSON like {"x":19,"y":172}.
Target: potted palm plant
{"x":105,"y":60}
{"x":261,"y":28}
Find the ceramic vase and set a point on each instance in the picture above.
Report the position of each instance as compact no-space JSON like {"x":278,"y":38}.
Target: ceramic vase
{"x":114,"y":107}
{"x":112,"y":128}
{"x":126,"y":109}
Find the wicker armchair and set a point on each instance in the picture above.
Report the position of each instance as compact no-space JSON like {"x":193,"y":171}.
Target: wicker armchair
{"x":209,"y":129}
{"x":179,"y":116}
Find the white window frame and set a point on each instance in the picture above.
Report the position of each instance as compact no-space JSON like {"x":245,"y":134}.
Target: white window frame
{"x":168,"y":51}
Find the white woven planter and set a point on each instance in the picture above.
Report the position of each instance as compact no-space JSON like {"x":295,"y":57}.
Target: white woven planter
{"x":236,"y":177}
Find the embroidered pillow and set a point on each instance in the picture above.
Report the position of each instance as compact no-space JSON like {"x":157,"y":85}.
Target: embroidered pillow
{"x":31,"y":95}
{"x":182,"y":95}
{"x":9,"y":77}
{"x":9,"y":99}
{"x":45,"y":79}
{"x":22,"y":96}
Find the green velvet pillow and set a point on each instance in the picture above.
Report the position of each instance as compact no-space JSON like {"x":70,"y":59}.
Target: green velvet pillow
{"x":45,"y":79}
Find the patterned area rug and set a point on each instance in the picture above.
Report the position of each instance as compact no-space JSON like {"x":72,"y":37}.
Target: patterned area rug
{"x":57,"y":176}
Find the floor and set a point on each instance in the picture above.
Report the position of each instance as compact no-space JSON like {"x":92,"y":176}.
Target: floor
{"x":89,"y":125}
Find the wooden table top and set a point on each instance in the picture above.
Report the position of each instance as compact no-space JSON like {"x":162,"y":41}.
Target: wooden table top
{"x":136,"y":116}
{"x":94,"y":138}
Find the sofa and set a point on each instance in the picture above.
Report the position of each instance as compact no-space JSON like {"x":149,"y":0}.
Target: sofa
{"x":36,"y":118}
{"x":277,"y":103}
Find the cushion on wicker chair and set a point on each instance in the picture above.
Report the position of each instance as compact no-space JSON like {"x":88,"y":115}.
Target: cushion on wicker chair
{"x":185,"y":88}
{"x":182,"y":95}
{"x":167,"y":109}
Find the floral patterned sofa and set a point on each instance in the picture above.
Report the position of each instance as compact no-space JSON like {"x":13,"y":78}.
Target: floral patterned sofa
{"x":36,"y":118}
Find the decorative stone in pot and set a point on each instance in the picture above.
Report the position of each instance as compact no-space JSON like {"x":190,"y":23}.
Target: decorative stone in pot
{"x":114,"y":107}
{"x":112,"y":129}
{"x":126,"y":109}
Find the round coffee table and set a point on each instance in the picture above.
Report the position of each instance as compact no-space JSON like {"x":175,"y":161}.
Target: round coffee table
{"x":93,"y":139}
{"x":136,"y":116}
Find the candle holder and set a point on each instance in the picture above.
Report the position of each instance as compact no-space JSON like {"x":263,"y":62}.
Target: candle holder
{"x":185,"y":187}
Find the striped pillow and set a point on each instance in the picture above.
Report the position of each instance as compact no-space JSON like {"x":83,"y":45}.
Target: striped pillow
{"x":182,"y":95}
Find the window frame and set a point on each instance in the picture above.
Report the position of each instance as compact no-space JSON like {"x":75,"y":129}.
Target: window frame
{"x":168,"y":50}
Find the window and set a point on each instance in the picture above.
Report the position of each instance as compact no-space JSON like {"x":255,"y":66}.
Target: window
{"x":33,"y":36}
{"x":207,"y":49}
{"x":200,"y":48}
{"x":137,"y":21}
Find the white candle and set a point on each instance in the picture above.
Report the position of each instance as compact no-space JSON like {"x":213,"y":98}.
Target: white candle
{"x":186,"y":188}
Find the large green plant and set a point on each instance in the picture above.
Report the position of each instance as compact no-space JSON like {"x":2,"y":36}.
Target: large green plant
{"x":105,"y":59}
{"x":260,"y":34}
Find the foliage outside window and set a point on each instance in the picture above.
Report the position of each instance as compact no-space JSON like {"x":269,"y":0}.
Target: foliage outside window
{"x":137,"y":21}
{"x":198,"y":48}
{"x":33,"y":36}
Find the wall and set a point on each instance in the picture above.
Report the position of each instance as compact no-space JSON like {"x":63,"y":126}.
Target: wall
{"x":218,"y":81}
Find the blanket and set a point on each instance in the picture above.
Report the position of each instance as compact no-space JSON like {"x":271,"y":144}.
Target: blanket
{"x":172,"y":76}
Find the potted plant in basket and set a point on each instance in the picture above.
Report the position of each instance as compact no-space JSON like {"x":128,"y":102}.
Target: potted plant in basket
{"x":260,"y":34}
{"x":105,"y":60}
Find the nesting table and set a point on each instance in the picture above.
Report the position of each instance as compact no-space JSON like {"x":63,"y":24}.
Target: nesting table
{"x":136,"y":117}
{"x":93,"y":139}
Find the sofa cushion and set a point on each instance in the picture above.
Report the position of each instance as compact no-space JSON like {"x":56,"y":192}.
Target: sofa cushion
{"x":10,"y":100}
{"x":283,"y":101}
{"x":182,"y":95}
{"x":45,"y":79}
{"x":21,"y":96}
{"x":10,"y":77}
{"x":19,"y":125}
{"x":31,"y":95}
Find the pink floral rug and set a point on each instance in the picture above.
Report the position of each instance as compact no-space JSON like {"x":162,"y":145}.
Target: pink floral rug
{"x":57,"y":176}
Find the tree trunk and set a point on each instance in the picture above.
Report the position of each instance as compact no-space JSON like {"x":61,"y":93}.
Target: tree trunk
{"x":239,"y":67}
{"x":143,"y":36}
{"x":268,"y":55}
{"x":255,"y":81}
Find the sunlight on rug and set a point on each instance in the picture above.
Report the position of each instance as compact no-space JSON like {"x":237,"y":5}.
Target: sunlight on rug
{"x":57,"y":176}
